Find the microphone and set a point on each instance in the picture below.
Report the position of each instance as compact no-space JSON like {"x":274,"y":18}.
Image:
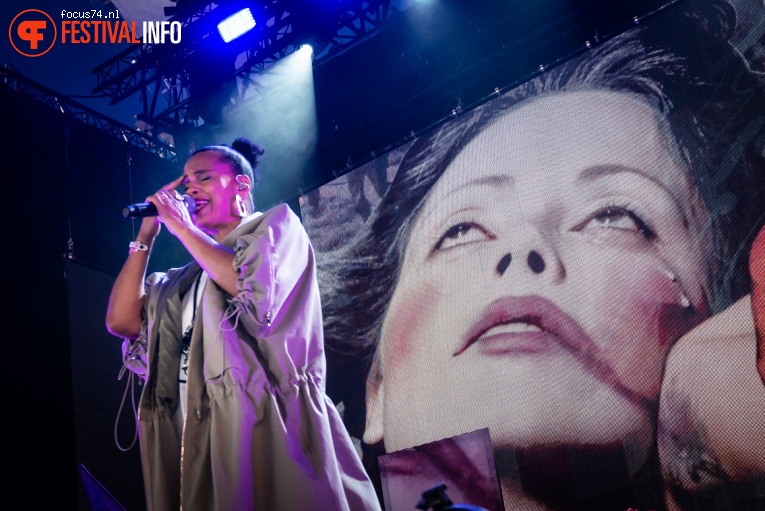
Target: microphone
{"x":142,"y":209}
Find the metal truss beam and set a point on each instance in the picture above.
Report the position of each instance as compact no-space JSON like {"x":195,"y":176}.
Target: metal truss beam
{"x":160,"y":72}
{"x":12,"y":80}
{"x":357,"y":21}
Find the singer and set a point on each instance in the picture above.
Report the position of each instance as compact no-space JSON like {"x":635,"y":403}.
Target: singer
{"x":231,"y":351}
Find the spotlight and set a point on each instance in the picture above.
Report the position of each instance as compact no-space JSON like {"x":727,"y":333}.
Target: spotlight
{"x":306,"y":49}
{"x":236,"y":25}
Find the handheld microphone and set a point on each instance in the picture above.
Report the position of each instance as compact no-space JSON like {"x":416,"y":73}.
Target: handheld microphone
{"x":142,"y":209}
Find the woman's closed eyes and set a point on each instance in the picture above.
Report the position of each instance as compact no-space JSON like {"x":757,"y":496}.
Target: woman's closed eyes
{"x":199,"y":177}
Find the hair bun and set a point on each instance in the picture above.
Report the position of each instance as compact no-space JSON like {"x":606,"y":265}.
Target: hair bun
{"x":248,"y":149}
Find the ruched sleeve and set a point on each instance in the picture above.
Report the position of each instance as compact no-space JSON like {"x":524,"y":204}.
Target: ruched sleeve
{"x":134,"y":351}
{"x":277,"y":299}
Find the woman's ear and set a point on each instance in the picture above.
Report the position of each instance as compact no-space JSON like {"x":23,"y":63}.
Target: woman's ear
{"x":243,"y":181}
{"x":373,"y":429}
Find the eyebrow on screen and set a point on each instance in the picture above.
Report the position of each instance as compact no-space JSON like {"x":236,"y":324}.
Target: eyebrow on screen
{"x":494,"y":181}
{"x":599,"y":171}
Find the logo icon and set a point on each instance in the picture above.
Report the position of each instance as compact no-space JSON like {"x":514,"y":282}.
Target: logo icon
{"x":32,"y":33}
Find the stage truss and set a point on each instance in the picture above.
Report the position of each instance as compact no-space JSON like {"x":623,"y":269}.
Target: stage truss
{"x":160,"y":72}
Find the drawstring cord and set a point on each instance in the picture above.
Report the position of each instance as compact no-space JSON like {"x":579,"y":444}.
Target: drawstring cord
{"x":131,"y":354}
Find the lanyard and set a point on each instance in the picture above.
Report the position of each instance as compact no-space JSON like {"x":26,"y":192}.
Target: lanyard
{"x":186,"y":339}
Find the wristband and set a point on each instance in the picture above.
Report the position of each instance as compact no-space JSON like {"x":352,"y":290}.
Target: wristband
{"x":135,"y":246}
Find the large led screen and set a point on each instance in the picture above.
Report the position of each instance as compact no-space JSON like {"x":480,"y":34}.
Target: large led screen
{"x":567,"y":266}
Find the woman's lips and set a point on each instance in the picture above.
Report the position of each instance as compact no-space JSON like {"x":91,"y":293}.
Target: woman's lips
{"x":499,"y":342}
{"x":533,"y":325}
{"x":199,"y":204}
{"x":525,"y":325}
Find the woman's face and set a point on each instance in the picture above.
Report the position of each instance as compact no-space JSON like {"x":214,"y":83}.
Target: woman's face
{"x":536,"y":294}
{"x":212,"y":183}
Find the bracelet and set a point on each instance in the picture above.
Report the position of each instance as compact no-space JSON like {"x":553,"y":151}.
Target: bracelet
{"x":135,"y":246}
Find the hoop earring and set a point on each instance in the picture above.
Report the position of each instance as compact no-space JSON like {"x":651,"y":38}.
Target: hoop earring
{"x":240,"y":208}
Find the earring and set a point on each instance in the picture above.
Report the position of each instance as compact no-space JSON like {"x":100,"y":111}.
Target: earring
{"x":504,"y":263}
{"x":240,"y":206}
{"x":685,"y":302}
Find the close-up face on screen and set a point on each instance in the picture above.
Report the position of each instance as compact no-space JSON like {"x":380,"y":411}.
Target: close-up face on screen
{"x":528,"y":266}
{"x":544,"y":280}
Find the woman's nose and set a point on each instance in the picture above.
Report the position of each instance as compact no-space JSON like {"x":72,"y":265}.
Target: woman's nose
{"x":534,"y":262}
{"x":532,"y":244}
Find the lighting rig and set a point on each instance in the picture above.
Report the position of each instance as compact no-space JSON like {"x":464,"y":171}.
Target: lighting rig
{"x":12,"y":80}
{"x":175,"y":80}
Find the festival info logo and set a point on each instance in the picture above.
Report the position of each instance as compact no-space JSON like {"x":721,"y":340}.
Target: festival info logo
{"x":33,"y":33}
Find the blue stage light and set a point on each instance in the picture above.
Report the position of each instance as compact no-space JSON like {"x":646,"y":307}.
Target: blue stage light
{"x":236,"y":25}
{"x":306,"y":48}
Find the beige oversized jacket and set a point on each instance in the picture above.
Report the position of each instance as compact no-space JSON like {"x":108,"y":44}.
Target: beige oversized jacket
{"x":260,"y":433}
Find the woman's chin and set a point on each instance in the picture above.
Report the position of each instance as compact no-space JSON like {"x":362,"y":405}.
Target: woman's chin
{"x":604,"y":418}
{"x":532,"y":424}
{"x":530,"y":433}
{"x":617,"y":429}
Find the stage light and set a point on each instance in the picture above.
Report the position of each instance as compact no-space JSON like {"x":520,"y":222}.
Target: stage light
{"x":306,"y":49}
{"x":236,"y":25}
